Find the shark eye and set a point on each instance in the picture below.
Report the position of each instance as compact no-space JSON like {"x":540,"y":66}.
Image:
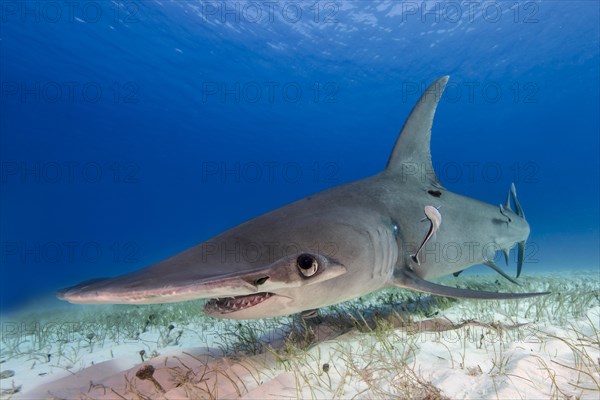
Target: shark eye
{"x":307,"y":264}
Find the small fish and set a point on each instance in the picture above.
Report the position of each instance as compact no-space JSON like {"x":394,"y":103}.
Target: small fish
{"x":435,"y":218}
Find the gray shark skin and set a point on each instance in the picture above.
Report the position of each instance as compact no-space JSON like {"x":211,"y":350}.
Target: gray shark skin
{"x":336,"y":245}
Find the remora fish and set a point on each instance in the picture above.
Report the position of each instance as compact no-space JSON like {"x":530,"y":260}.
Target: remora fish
{"x":335,"y":245}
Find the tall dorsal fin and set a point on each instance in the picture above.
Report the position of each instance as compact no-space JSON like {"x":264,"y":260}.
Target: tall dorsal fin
{"x":411,"y":154}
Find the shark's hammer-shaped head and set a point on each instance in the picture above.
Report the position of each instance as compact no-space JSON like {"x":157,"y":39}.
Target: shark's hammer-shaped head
{"x":281,"y":263}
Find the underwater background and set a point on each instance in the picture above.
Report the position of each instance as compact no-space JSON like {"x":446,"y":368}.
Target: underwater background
{"x":131,"y":131}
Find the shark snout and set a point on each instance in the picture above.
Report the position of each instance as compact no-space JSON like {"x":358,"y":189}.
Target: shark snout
{"x":166,"y":282}
{"x":145,"y":289}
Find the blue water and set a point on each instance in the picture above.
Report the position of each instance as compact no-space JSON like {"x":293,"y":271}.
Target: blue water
{"x":133,"y":130}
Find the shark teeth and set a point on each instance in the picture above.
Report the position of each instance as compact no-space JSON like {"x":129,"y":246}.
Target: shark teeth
{"x":231,"y":304}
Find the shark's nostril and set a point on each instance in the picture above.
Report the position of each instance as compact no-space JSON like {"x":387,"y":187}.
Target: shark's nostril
{"x":260,"y":281}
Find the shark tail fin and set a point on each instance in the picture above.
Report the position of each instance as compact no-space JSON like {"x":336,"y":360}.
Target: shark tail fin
{"x":507,"y":202}
{"x":520,"y":257}
{"x":408,"y":279}
{"x":411,"y":155}
{"x":521,"y":245}
{"x":506,"y":253}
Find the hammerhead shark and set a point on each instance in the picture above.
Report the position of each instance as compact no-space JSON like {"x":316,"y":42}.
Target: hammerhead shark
{"x":338,"y":244}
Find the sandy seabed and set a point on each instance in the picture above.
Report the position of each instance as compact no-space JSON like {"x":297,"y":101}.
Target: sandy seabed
{"x":389,"y":344}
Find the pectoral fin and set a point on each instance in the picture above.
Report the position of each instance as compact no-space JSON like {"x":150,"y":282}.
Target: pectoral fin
{"x":493,"y":266}
{"x":408,"y":279}
{"x":496,"y":268}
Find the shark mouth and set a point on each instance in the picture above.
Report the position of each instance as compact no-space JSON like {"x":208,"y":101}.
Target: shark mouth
{"x":232,"y":304}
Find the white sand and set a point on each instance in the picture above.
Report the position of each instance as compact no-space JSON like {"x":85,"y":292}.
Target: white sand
{"x":530,"y":349}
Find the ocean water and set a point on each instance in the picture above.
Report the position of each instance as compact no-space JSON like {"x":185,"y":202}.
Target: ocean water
{"x":131,"y":130}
